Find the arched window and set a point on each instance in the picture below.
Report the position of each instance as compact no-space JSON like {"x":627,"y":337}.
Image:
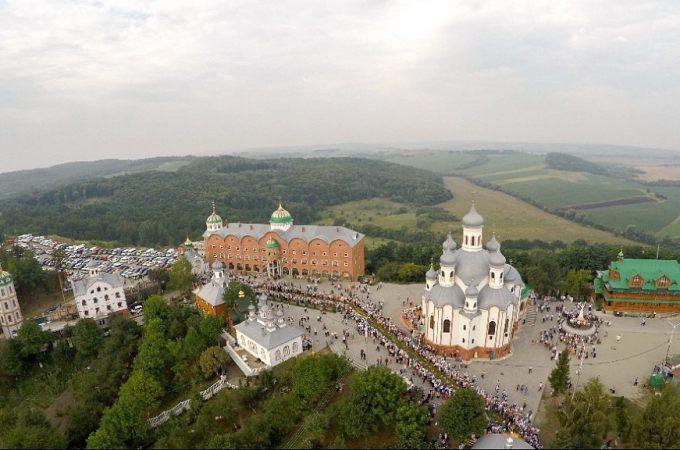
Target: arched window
{"x":451,"y":274}
{"x":295,"y":347}
{"x":447,"y":326}
{"x":432,"y":321}
{"x":84,"y":303}
{"x":278,"y":355}
{"x":286,"y":351}
{"x":507,"y":323}
{"x":492,"y":328}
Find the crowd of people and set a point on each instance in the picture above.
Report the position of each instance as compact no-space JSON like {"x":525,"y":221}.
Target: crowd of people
{"x":443,"y":374}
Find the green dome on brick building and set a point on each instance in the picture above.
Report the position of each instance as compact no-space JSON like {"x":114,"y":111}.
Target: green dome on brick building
{"x":5,"y":277}
{"x":271,"y":243}
{"x":280,"y":216}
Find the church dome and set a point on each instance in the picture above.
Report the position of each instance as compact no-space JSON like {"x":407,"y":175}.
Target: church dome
{"x":513,"y":276}
{"x":472,"y":266}
{"x":449,"y":243}
{"x":280,"y":216}
{"x":448,"y":258}
{"x":187,"y":243}
{"x":213,"y":218}
{"x":497,"y":259}
{"x":93,"y":264}
{"x":271,"y":243}
{"x":217,"y":265}
{"x":471,"y":291}
{"x":473,"y":219}
{"x":279,"y":313}
{"x":446,"y":295}
{"x":488,"y":297}
{"x":431,"y":274}
{"x":493,"y":244}
{"x":5,"y":277}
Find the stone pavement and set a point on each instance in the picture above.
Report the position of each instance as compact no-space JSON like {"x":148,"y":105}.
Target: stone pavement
{"x":640,"y":348}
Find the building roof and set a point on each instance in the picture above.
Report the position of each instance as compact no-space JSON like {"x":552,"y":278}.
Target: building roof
{"x":213,"y":218}
{"x":496,"y":441}
{"x":80,"y":287}
{"x":269,"y":338}
{"x":5,"y":277}
{"x":271,"y":243}
{"x":211,"y":293}
{"x":471,"y":265}
{"x":650,"y":270}
{"x":501,"y":298}
{"x":446,"y":295}
{"x":280,"y":216}
{"x":307,"y":233}
{"x":473,"y":219}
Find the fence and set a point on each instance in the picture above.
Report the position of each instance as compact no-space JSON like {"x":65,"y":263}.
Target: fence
{"x":185,"y":405}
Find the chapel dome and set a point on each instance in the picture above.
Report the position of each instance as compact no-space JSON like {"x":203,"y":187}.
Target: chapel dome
{"x":493,"y":244}
{"x":488,"y":297}
{"x":449,"y":243}
{"x":5,"y":277}
{"x":473,"y":219}
{"x":471,"y":291}
{"x":446,"y":295}
{"x":280,"y":216}
{"x":472,"y":266}
{"x":271,"y":243}
{"x":431,"y":274}
{"x":213,"y":218}
{"x":497,"y":259}
{"x":448,"y":258}
{"x":217,"y":265}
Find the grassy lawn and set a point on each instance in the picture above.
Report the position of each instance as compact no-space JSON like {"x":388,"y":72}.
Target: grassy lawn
{"x":172,"y":166}
{"x":436,"y":161}
{"x":505,"y":162}
{"x":376,"y":211}
{"x":651,"y":216}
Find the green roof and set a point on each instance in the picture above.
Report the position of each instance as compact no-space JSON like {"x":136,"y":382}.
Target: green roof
{"x":5,"y":277}
{"x":271,"y":243}
{"x":649,"y":270}
{"x":280,"y":216}
{"x":214,"y":218}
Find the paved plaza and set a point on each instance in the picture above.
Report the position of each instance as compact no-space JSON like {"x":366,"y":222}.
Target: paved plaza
{"x":617,"y":364}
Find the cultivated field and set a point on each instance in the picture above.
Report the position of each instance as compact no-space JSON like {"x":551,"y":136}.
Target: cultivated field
{"x":512,"y":218}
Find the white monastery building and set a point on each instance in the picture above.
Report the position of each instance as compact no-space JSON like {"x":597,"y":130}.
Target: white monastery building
{"x":99,"y":294}
{"x":472,"y":305}
{"x":11,"y":318}
{"x":265,"y":335}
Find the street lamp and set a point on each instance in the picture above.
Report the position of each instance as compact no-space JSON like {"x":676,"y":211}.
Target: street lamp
{"x":670,"y":340}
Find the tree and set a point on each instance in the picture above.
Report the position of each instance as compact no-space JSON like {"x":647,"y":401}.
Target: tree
{"x":659,"y":426}
{"x":585,"y":417}
{"x":311,"y":377}
{"x":231,"y":299}
{"x":181,"y":276}
{"x":159,"y":276}
{"x":87,"y":338}
{"x":11,"y":363}
{"x":463,"y":415}
{"x":411,"y":426}
{"x":141,"y":389}
{"x":213,"y":360}
{"x":31,"y":337}
{"x":156,"y":307}
{"x":376,"y":396}
{"x":559,"y":377}
{"x":211,"y":327}
{"x":578,"y":281}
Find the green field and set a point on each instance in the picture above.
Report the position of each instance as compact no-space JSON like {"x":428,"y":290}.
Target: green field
{"x":503,"y":162}
{"x":651,"y":216}
{"x":441,"y":162}
{"x":375,"y":211}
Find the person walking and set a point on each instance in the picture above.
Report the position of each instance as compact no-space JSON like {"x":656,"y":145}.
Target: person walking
{"x":531,"y":368}
{"x":618,"y":338}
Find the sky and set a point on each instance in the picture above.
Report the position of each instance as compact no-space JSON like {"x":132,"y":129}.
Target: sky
{"x":88,"y":80}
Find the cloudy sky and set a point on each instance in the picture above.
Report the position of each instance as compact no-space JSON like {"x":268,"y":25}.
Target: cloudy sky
{"x":86,"y":80}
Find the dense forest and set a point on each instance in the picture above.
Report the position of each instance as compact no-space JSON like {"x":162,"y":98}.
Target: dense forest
{"x":160,"y":208}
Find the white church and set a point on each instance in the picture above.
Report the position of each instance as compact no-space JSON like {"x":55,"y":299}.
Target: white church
{"x":472,"y":305}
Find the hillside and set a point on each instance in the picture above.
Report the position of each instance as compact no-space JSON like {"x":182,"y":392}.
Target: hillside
{"x":35,"y":180}
{"x":161,"y":208}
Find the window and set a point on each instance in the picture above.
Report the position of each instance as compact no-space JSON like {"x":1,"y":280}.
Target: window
{"x":6,"y":305}
{"x":237,"y":248}
{"x":229,"y":256}
{"x":2,"y":319}
{"x":117,"y":294}
{"x":507,"y":322}
{"x":14,"y":303}
{"x":324,"y":263}
{"x":662,"y":282}
{"x":314,"y":262}
{"x":245,"y":249}
{"x":464,"y":327}
{"x":323,"y":253}
{"x":3,"y":292}
{"x":432,"y":322}
{"x":99,"y":289}
{"x":335,"y":254}
{"x":492,"y":328}
{"x":278,"y":355}
{"x":313,"y":253}
{"x":229,"y":247}
{"x":214,"y":255}
{"x":84,"y":303}
{"x":106,"y":297}
{"x":108,"y":307}
{"x":447,"y":326}
{"x":87,"y":313}
{"x":304,"y":252}
{"x":346,"y":264}
{"x":443,"y":274}
{"x":336,"y":264}
{"x":295,"y":252}
{"x":472,"y":342}
{"x":11,"y":290}
{"x":474,"y":327}
{"x":304,"y":261}
{"x":9,"y":318}
{"x":346,"y":255}
{"x":286,"y":351}
{"x":120,"y":304}
{"x":283,"y":252}
{"x":463,"y":340}
{"x":295,"y":347}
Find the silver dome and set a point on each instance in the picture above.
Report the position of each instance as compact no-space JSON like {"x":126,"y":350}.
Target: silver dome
{"x":471,"y":291}
{"x":431,"y":274}
{"x":446,"y":295}
{"x":493,"y":244}
{"x":489,"y":297}
{"x":472,"y":265}
{"x":473,"y":219}
{"x":448,"y":258}
{"x":497,"y":259}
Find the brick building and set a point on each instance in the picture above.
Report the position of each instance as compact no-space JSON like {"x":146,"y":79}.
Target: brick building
{"x":281,"y":248}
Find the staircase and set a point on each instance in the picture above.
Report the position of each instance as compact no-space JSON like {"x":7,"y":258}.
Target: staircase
{"x":531,"y":314}
{"x":339,"y":350}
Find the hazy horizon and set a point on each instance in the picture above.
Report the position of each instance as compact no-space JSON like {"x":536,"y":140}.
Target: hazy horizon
{"x":85,"y":81}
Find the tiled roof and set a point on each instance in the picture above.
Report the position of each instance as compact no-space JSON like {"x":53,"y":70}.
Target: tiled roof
{"x":307,"y":233}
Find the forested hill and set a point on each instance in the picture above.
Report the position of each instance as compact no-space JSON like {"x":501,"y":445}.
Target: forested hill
{"x":160,"y":208}
{"x":35,"y":180}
